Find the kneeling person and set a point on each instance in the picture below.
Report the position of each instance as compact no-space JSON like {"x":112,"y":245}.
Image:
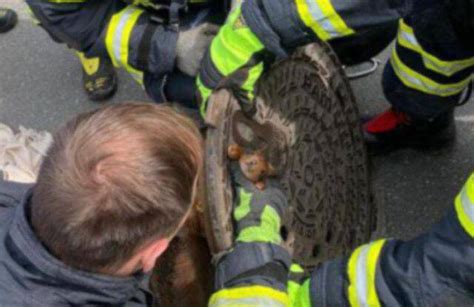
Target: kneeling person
{"x":115,"y":187}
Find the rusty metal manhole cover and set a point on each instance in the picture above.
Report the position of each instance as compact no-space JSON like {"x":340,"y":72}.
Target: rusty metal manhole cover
{"x":317,"y":147}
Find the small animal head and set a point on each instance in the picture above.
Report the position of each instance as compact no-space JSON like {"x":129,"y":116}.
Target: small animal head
{"x":254,"y":166}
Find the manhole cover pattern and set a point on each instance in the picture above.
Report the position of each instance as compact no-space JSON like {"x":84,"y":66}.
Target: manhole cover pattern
{"x":324,"y":164}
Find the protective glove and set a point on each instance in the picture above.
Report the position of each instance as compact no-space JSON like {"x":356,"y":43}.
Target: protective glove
{"x":257,"y":213}
{"x":191,"y":46}
{"x":233,"y":61}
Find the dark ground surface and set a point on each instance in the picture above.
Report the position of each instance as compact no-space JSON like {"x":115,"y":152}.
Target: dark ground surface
{"x":40,"y":87}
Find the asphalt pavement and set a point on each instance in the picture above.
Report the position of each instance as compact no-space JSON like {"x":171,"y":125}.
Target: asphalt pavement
{"x":40,"y":88}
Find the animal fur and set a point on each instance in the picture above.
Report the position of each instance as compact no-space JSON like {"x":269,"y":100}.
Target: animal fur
{"x":254,"y":166}
{"x":183,"y":275}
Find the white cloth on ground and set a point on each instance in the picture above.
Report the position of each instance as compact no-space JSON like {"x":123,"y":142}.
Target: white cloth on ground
{"x":21,"y":153}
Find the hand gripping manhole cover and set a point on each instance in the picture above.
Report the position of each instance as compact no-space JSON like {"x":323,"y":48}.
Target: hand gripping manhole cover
{"x":307,"y":121}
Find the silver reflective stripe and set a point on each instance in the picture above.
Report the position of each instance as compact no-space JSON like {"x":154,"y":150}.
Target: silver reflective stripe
{"x":447,"y":69}
{"x":419,"y":84}
{"x":117,"y":40}
{"x":408,"y":78}
{"x":321,"y":19}
{"x":361,"y":275}
{"x":409,"y":37}
{"x":119,"y":30}
{"x":247,"y":302}
{"x":467,"y":205}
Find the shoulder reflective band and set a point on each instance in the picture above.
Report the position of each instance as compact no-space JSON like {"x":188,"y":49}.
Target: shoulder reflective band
{"x":118,"y":37}
{"x":464,"y":205}
{"x":362,"y":265}
{"x":322,"y":18}
{"x":249,"y":296}
{"x":417,"y":81}
{"x":406,"y":38}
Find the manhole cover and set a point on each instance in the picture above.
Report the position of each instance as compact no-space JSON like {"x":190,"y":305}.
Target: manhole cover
{"x":316,"y":145}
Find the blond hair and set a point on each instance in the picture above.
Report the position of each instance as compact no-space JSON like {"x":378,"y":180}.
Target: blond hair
{"x":114,"y":179}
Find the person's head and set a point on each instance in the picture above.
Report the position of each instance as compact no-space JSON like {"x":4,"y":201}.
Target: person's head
{"x":115,"y":187}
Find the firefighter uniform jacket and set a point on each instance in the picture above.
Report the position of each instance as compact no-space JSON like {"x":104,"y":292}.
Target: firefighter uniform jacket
{"x":113,"y":28}
{"x":431,"y":64}
{"x":31,"y":276}
{"x":434,"y":269}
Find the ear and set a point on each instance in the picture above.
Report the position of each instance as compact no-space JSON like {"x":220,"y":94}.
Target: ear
{"x":150,"y":253}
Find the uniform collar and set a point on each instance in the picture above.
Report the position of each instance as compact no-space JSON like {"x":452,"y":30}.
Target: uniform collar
{"x":39,"y":267}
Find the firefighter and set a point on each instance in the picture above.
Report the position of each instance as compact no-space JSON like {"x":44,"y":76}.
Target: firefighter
{"x":434,"y":269}
{"x":428,"y":75}
{"x":111,"y":196}
{"x":8,"y":19}
{"x":158,"y":44}
{"x":99,"y":79}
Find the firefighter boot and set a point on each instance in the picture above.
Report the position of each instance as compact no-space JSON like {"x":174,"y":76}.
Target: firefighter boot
{"x":98,"y":77}
{"x":8,"y":19}
{"x":392,"y":130}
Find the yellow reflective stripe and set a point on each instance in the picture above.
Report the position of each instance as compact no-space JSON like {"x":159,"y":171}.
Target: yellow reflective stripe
{"x":234,"y":46}
{"x":118,"y":38}
{"x":372,"y":261}
{"x":109,"y":37}
{"x":352,"y":272}
{"x":340,"y":27}
{"x":249,"y":296}
{"x":253,"y":75}
{"x":322,"y":18}
{"x":406,"y":38}
{"x":305,"y":15}
{"x":205,"y":93}
{"x":362,"y":272}
{"x":127,"y":31}
{"x":417,"y":81}
{"x":464,"y":205}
